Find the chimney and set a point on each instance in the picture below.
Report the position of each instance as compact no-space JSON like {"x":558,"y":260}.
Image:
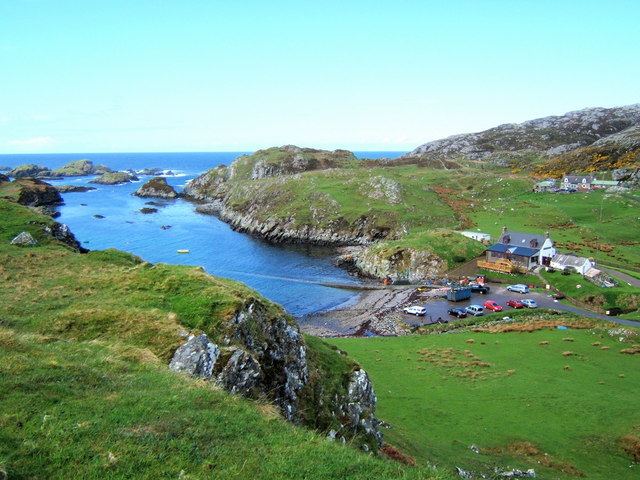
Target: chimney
{"x":504,"y":230}
{"x":546,"y":234}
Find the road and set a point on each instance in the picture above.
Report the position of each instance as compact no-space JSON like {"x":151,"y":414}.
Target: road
{"x":621,"y":276}
{"x":438,"y":307}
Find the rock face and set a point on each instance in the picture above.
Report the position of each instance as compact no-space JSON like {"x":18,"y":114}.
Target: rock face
{"x":156,"y":188}
{"x":24,"y":239}
{"x":358,"y":408}
{"x":196,"y":357}
{"x":4,"y":178}
{"x":549,"y":135}
{"x":62,"y":233}
{"x":262,"y":355}
{"x":73,"y":188}
{"x":35,"y":193}
{"x":398,"y":263}
{"x":115,"y":178}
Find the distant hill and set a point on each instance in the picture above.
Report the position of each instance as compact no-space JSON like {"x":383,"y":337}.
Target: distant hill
{"x":547,"y":137}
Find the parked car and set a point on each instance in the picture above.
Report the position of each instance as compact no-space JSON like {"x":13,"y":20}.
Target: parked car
{"x":457,"y":312}
{"x":515,"y":303}
{"x":558,"y":296}
{"x":518,"y":288}
{"x":476,"y":288}
{"x":493,"y":306}
{"x":415,"y":310}
{"x":475,"y":310}
{"x":529,"y":303}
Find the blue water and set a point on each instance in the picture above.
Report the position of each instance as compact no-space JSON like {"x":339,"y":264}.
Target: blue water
{"x":285,"y":275}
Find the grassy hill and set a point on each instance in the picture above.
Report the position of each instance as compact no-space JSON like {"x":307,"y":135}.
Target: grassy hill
{"x":85,"y":391}
{"x":561,"y":402}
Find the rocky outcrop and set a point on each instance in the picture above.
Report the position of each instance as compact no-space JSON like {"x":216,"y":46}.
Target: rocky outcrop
{"x":548,"y":136}
{"x":63,"y":233}
{"x":24,"y":239}
{"x":73,"y":188}
{"x":114,"y":178}
{"x":34,"y":193}
{"x":196,"y":357}
{"x":361,"y":232}
{"x":4,"y":178}
{"x":79,"y":168}
{"x":628,"y":177}
{"x":148,"y":210}
{"x":156,"y":188}
{"x":358,"y":410}
{"x":398,"y":263}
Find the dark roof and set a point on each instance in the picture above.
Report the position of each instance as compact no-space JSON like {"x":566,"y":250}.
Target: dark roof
{"x":578,"y":178}
{"x":520,"y":239}
{"x":514,"y":250}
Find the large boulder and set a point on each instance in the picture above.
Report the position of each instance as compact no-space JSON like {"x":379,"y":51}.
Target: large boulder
{"x":156,"y":188}
{"x":241,"y":374}
{"x":24,"y":239}
{"x":196,"y":357}
{"x":359,"y":407}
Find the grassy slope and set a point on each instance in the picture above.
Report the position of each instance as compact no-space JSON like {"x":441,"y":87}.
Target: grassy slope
{"x":576,"y":415}
{"x":84,"y":344}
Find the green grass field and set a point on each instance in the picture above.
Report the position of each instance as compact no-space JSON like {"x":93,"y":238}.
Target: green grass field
{"x":85,"y":389}
{"x":509,"y":395}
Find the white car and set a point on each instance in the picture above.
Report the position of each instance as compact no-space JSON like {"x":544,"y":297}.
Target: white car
{"x":415,"y":310}
{"x":519,"y":288}
{"x":529,"y":303}
{"x":475,"y":310}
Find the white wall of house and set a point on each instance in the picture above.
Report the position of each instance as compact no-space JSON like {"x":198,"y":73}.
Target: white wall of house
{"x":581,"y":269}
{"x":547,"y":250}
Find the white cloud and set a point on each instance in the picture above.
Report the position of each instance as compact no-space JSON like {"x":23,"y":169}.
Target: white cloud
{"x":33,"y":142}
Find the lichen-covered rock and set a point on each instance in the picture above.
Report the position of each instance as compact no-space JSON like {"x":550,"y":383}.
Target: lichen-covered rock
{"x":63,"y":233}
{"x":197,"y":357}
{"x":278,"y":346}
{"x":77,"y":168}
{"x":398,"y":263}
{"x":357,"y":411}
{"x":241,"y":374}
{"x":24,"y":239}
{"x":156,"y":188}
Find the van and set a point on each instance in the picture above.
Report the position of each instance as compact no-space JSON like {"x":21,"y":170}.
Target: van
{"x":519,"y":288}
{"x":475,"y":310}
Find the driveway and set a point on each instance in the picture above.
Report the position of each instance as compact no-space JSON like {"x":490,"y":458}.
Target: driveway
{"x":622,"y":276}
{"x":438,"y":307}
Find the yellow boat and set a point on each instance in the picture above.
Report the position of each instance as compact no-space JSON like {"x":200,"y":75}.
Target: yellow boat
{"x":183,"y":250}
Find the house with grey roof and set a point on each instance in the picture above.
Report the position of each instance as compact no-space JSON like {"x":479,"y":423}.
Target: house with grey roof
{"x":570,"y":262}
{"x":525,"y":250}
{"x":577,"y":182}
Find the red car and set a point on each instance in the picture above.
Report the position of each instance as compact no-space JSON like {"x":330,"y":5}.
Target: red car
{"x":493,"y":306}
{"x":515,"y":304}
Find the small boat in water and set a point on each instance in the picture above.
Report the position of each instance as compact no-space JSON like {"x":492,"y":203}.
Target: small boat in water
{"x":183,"y":250}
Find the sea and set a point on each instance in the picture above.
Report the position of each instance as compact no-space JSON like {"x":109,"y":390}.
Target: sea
{"x":296,"y":277}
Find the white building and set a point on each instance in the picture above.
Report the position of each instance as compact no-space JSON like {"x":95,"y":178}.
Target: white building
{"x":479,"y":236}
{"x":568,"y":261}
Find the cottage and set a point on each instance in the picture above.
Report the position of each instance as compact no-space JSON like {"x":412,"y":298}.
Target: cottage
{"x":524,"y":250}
{"x":577,"y":182}
{"x":570,"y":262}
{"x":601,"y":184}
{"x":479,"y":236}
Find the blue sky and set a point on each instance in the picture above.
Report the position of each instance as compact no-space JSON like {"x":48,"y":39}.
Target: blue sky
{"x":187,"y":75}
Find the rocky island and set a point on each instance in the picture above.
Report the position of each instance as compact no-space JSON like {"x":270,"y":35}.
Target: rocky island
{"x":114,"y":178}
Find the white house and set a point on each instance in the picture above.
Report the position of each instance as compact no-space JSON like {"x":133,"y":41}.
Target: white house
{"x":528,"y":250}
{"x":564,"y":261}
{"x":479,"y":236}
{"x":577,"y":182}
